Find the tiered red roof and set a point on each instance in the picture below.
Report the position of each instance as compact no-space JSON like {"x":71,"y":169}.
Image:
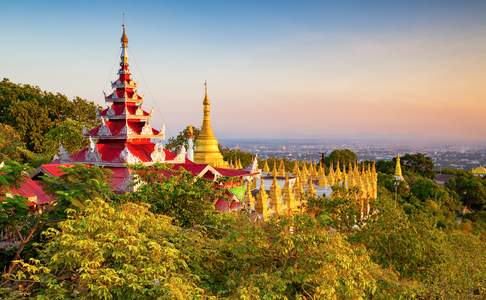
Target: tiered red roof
{"x":125,"y":137}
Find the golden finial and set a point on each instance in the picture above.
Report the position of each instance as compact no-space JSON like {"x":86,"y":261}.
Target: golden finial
{"x":206,"y":99}
{"x":190,"y":131}
{"x":124,"y":38}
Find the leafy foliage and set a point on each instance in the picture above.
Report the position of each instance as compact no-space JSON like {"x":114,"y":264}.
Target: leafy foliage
{"x":32,"y":113}
{"x":419,"y":164}
{"x":470,"y":190}
{"x":11,"y":146}
{"x":341,"y":156}
{"x":105,"y":252}
{"x":188,"y":200}
{"x":174,"y":143}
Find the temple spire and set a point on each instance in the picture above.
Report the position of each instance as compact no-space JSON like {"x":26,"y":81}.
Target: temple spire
{"x":207,"y":150}
{"x":398,"y":169}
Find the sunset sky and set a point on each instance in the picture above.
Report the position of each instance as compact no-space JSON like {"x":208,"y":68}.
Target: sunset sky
{"x":275,"y":69}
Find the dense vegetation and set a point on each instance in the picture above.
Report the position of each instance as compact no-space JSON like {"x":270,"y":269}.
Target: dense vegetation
{"x":34,"y":122}
{"x":165,"y":240}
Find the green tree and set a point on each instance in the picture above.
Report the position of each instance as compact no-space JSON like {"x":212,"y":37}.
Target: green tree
{"x":289,"y":258}
{"x":174,"y":143}
{"x":104,"y":252}
{"x":246,"y":158}
{"x":76,"y":185}
{"x":11,"y":146}
{"x":470,"y":190}
{"x":32,"y":112}
{"x":188,"y":200}
{"x":341,"y":156}
{"x":69,"y":133}
{"x":425,"y":189}
{"x":418,"y":163}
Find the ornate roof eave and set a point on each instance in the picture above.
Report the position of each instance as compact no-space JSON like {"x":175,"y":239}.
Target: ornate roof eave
{"x":123,"y":99}
{"x":130,"y":117}
{"x":124,"y":84}
{"x":129,"y":137}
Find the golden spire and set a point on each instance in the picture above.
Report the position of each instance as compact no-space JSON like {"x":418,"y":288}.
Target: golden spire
{"x":288,"y":196}
{"x":332,"y":180}
{"x":207,"y":149}
{"x":304,"y":168}
{"x":274,"y":170}
{"x":266,"y":169}
{"x":275,"y":195}
{"x":249,"y":200}
{"x":261,"y":205}
{"x":321,"y":171}
{"x":338,"y":173}
{"x":296,"y":169}
{"x":311,"y":190}
{"x":322,"y":181}
{"x":281,"y":168}
{"x":398,"y":169}
{"x":124,"y":38}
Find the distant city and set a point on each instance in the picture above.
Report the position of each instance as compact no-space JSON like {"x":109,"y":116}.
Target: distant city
{"x":443,"y":155}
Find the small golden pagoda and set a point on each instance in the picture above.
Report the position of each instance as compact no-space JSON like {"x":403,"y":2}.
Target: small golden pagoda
{"x":207,"y":150}
{"x":398,"y":169}
{"x":249,"y":200}
{"x":266,"y":169}
{"x":261,"y":205}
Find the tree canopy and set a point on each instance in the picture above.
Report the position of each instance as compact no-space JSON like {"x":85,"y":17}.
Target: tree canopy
{"x":39,"y":119}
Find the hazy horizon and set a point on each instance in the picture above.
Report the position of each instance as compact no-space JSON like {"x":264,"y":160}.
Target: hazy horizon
{"x":407,"y":70}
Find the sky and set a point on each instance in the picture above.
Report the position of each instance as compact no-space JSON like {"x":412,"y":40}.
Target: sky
{"x":275,"y":69}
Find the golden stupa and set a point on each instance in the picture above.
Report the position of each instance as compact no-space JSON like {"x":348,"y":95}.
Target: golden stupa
{"x":207,"y":150}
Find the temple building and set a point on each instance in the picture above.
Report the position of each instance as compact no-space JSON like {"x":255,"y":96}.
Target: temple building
{"x":207,"y":146}
{"x":125,"y":138}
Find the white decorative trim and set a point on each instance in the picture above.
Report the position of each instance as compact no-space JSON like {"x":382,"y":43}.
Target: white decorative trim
{"x":110,"y":112}
{"x":104,"y":130}
{"x":139,"y":111}
{"x":181,"y":155}
{"x":128,"y":157}
{"x":190,"y":150}
{"x":158,"y":155}
{"x":92,"y":155}
{"x":130,"y":130}
{"x":62,"y":154}
{"x":146,"y":129}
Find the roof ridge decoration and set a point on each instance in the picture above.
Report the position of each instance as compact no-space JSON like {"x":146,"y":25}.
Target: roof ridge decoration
{"x":158,"y":155}
{"x":92,"y":155}
{"x":181,"y":155}
{"x":128,"y":157}
{"x":104,"y":130}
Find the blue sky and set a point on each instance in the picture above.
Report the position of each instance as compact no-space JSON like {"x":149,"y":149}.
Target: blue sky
{"x":412,"y":69}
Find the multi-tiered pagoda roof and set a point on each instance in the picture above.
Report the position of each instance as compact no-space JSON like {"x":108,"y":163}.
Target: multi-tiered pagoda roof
{"x":125,"y":137}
